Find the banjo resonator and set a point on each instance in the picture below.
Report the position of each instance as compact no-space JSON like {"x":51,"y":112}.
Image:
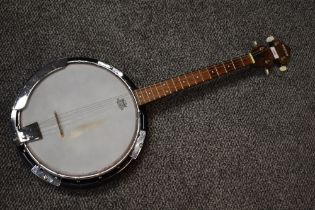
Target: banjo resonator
{"x":79,"y":121}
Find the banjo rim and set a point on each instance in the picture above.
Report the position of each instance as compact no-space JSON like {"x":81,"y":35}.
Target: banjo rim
{"x":57,"y":178}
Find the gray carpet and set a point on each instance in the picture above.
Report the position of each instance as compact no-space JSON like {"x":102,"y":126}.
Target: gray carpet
{"x":242,"y":142}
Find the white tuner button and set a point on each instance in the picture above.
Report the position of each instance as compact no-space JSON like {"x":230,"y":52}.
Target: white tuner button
{"x":270,"y":39}
{"x":283,"y":68}
{"x":254,"y":44}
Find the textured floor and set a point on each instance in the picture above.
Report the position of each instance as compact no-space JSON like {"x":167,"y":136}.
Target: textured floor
{"x":246,"y":141}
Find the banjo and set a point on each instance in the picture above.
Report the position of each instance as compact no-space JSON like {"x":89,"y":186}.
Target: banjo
{"x":79,"y":121}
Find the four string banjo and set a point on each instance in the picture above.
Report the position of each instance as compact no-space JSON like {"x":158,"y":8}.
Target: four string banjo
{"x":79,"y":121}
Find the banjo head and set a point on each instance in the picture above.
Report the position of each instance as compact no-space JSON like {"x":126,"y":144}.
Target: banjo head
{"x":77,"y":121}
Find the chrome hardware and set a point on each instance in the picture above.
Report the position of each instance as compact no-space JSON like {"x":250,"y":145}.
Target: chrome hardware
{"x":254,"y":44}
{"x":31,"y":132}
{"x":45,"y":176}
{"x":23,"y":134}
{"x":270,"y":39}
{"x":267,"y":72}
{"x":283,"y":68}
{"x":138,"y":145}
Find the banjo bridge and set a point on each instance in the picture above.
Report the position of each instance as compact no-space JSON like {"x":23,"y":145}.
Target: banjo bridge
{"x":59,"y":124}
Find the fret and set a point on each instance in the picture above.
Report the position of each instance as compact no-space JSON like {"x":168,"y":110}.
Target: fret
{"x":196,"y":75}
{"x":169,"y":86}
{"x":221,"y":69}
{"x":213,"y":73}
{"x":205,"y":74}
{"x":152,"y":91}
{"x":145,"y":89}
{"x":216,"y":70}
{"x":238,"y":63}
{"x":157,"y":91}
{"x":161,"y":86}
{"x":164,"y":89}
{"x":149,"y":91}
{"x":201,"y":76}
{"x":174,"y":85}
{"x":180,"y":83}
{"x":187,"y":80}
{"x":224,"y":68}
{"x":139,"y":98}
{"x":208,"y":70}
{"x":229,"y":66}
{"x":166,"y":85}
{"x":145,"y":95}
{"x":191,"y":73}
{"x":233,"y":64}
{"x":183,"y":81}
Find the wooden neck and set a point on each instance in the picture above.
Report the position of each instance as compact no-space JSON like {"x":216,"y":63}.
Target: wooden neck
{"x":167,"y":87}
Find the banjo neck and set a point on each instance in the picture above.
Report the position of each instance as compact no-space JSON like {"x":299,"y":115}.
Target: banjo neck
{"x":167,"y":87}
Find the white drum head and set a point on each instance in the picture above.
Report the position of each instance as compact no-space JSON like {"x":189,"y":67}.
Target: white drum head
{"x":88,"y":118}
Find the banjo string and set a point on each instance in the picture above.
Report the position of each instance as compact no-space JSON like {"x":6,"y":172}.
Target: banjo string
{"x":97,"y":106}
{"x":83,"y":108}
{"x":55,"y":127}
{"x":65,"y":125}
{"x":212,"y":65}
{"x":76,"y":117}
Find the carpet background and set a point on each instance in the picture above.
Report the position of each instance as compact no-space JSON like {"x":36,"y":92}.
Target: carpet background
{"x":245,"y":141}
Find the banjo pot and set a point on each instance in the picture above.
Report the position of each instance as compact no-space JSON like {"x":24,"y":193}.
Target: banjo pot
{"x":77,"y":122}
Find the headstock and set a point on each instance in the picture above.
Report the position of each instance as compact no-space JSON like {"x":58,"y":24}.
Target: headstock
{"x":275,"y":54}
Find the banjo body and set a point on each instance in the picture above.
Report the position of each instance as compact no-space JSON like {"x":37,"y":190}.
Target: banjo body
{"x":77,"y":121}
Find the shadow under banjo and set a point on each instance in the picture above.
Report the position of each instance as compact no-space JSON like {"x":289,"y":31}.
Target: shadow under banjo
{"x":79,"y":121}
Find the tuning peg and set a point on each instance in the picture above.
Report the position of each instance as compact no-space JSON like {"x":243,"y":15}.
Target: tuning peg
{"x":267,"y":72}
{"x":283,"y":68}
{"x":254,"y":44}
{"x":270,"y":39}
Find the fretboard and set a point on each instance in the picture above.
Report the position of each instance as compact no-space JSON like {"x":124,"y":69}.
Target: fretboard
{"x":167,"y":87}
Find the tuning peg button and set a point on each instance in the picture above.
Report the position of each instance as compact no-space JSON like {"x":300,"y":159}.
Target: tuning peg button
{"x":254,"y":44}
{"x":267,"y":71}
{"x":270,"y":39}
{"x":283,"y":68}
